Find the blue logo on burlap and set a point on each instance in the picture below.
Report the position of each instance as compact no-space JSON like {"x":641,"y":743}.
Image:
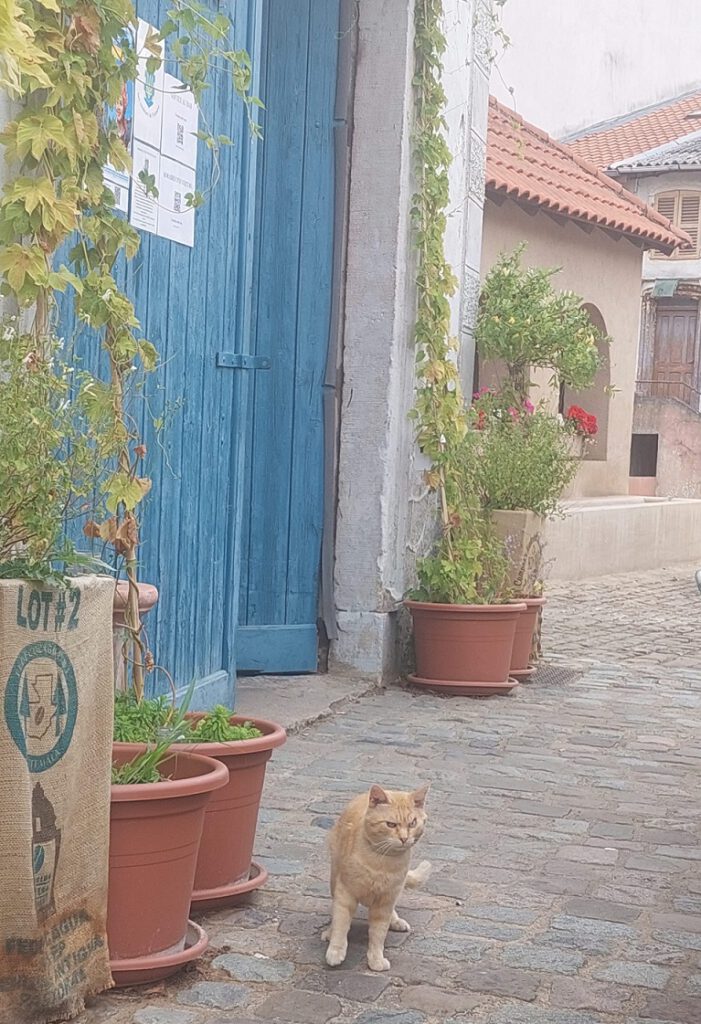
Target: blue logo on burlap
{"x":41,"y":704}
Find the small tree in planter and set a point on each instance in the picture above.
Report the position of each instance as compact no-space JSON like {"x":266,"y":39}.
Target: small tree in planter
{"x":525,"y":324}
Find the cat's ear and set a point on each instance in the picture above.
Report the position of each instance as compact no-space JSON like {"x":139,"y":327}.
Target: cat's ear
{"x":378,"y":796}
{"x":419,"y":796}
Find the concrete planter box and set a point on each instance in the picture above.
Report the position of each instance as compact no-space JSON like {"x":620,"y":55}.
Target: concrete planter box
{"x":522,"y":533}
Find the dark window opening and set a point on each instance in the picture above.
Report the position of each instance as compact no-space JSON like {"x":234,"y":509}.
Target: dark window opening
{"x":643,"y":455}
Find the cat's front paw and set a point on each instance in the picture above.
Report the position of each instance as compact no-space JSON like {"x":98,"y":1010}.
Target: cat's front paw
{"x":378,"y":962}
{"x":398,"y":924}
{"x":335,"y":955}
{"x":326,"y":934}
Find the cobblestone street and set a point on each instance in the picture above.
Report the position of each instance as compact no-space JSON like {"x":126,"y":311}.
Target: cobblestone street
{"x":564,"y":830}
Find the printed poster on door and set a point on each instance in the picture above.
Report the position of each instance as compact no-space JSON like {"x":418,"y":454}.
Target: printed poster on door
{"x":176,"y":219}
{"x":148,"y":104}
{"x":180,"y":123}
{"x":144,"y":205}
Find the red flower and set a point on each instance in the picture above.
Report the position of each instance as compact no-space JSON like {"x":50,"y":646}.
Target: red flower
{"x":583,"y":422}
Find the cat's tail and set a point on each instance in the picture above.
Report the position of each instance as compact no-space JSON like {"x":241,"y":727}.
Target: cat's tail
{"x":419,"y":875}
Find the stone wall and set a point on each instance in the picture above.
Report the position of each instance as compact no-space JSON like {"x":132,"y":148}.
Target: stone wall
{"x":679,"y":446}
{"x":385,"y":516}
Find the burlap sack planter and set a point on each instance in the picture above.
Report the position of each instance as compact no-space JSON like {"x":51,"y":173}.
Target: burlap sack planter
{"x":155,"y":832}
{"x":56,"y":712}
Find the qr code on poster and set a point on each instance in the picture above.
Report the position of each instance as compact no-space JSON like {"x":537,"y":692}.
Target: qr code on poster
{"x":177,"y":202}
{"x":180,"y":134}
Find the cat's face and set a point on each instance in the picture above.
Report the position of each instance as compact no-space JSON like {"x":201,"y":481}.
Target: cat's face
{"x":394,"y":822}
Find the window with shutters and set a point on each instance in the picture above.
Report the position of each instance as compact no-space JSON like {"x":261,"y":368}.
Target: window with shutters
{"x":684,"y":211}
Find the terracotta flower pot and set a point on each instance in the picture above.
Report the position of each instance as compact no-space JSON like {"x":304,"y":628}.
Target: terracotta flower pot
{"x":521,"y":667}
{"x":155,"y":832}
{"x":225,"y":870}
{"x":148,"y":596}
{"x":464,"y":649}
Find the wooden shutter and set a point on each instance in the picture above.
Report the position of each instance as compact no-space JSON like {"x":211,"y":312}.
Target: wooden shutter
{"x":689,"y":204}
{"x":667,"y":205}
{"x":683,"y":209}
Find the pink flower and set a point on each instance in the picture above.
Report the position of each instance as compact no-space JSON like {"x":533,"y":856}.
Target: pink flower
{"x":528,"y":406}
{"x":513,"y":413}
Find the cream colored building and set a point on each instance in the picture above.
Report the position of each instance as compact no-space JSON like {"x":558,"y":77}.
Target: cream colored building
{"x":578,"y":219}
{"x":656,"y":153}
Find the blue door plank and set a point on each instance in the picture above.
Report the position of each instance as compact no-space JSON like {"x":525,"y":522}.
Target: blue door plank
{"x":240,"y":318}
{"x":278,"y":271}
{"x":173,"y":376}
{"x":292,"y":268}
{"x":313,"y":315}
{"x":290,"y":649}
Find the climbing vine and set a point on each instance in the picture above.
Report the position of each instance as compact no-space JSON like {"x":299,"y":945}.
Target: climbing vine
{"x":439,"y":407}
{"x":58,"y":59}
{"x":468,"y":564}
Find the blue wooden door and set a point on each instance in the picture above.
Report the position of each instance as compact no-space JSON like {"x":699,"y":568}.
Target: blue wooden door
{"x":232,"y":526}
{"x":292,"y":281}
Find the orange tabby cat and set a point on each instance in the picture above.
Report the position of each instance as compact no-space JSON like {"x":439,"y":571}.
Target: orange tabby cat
{"x":371,"y":847}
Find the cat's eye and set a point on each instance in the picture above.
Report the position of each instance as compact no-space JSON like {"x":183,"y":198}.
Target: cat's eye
{"x":391,"y":824}
{"x":412,"y":823}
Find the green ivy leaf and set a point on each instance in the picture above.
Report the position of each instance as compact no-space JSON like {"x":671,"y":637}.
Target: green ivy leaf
{"x":122,"y":489}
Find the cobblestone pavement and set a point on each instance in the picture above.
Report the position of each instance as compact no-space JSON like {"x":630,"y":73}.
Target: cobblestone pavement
{"x":565,"y":834}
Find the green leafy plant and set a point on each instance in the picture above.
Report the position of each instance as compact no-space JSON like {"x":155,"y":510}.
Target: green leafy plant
{"x":145,"y":767}
{"x":139,"y":721}
{"x":215,"y":727}
{"x":159,"y":723}
{"x":142,"y":721}
{"x":473,"y":571}
{"x":523,"y":456}
{"x":58,"y":59}
{"x":525,"y":323}
{"x":52,"y":449}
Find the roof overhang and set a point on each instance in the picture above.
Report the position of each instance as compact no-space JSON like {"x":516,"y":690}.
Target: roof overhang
{"x":498,"y":195}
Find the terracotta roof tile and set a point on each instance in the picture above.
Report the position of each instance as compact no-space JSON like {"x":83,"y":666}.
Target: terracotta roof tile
{"x":525,"y":164}
{"x":607,"y":143}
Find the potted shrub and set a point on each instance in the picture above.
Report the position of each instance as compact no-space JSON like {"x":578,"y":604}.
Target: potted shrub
{"x":464,"y":623}
{"x":529,"y":454}
{"x":225,"y":868}
{"x":523,"y":463}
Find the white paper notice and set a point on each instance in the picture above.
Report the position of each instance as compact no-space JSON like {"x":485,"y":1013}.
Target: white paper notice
{"x":144,"y":206}
{"x":176,"y":220}
{"x":118,"y":185}
{"x":180,"y":121}
{"x":148,"y":104}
